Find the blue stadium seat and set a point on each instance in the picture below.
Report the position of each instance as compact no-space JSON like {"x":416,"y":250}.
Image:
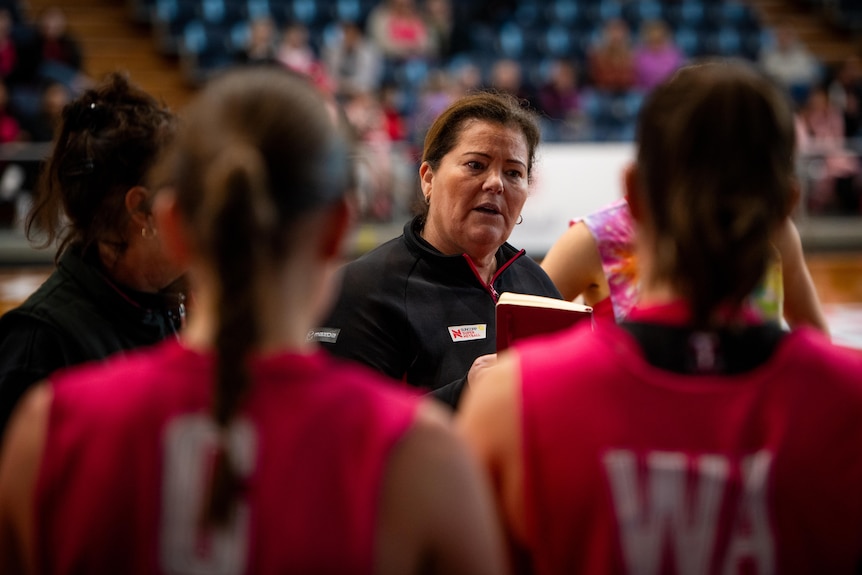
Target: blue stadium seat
{"x":204,"y":49}
{"x":211,"y":10}
{"x":734,"y":14}
{"x":687,"y":13}
{"x":558,"y":41}
{"x":169,"y":19}
{"x":530,"y":13}
{"x":309,"y":12}
{"x":352,"y":10}
{"x":726,"y":41}
{"x":238,"y":36}
{"x":510,"y":41}
{"x":563,"y":11}
{"x":689,"y":40}
{"x":221,"y":11}
{"x":602,"y":10}
{"x":255,"y":9}
{"x":754,"y":41}
{"x":612,"y":117}
{"x":636,"y":13}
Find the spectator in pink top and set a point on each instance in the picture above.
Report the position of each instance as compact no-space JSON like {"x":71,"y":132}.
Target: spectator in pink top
{"x":10,"y":131}
{"x":8,"y":53}
{"x":835,"y":170}
{"x":657,"y":57}
{"x":397,"y":27}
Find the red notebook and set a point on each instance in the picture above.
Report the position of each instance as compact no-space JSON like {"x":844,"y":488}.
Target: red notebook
{"x":522,"y":315}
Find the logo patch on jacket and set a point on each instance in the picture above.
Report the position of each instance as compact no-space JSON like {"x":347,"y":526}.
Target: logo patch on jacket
{"x":324,"y":334}
{"x":467,"y":332}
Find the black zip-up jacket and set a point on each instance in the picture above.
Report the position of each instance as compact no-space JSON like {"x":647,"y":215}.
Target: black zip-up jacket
{"x":77,"y":315}
{"x":423,"y":317}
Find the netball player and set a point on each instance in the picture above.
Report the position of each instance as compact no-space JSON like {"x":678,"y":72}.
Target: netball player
{"x":242,"y":448}
{"x":693,"y":437}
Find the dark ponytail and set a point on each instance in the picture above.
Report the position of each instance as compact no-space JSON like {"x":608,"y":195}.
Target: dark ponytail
{"x":258,"y":152}
{"x":239,"y":223}
{"x":715,"y":157}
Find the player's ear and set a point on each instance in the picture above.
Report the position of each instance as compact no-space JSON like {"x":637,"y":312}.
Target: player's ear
{"x":171,"y":226}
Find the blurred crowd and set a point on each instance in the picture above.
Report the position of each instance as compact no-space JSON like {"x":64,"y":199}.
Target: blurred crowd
{"x":395,"y":69}
{"x":41,"y":70}
{"x":394,"y":72}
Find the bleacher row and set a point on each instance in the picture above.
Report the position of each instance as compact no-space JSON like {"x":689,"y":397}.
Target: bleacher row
{"x":209,"y":31}
{"x":566,"y":28}
{"x":206,"y":35}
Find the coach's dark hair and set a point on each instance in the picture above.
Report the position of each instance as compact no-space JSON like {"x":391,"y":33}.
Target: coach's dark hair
{"x":716,"y":161}
{"x":258,"y":151}
{"x":107,"y":141}
{"x":496,"y":107}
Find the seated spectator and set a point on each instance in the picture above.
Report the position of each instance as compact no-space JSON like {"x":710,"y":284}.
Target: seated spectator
{"x":13,"y":7}
{"x":353,"y":62}
{"x":595,"y":260}
{"x":467,"y":77}
{"x":436,"y":94}
{"x":695,"y":437}
{"x":295,"y":53}
{"x":507,"y":76}
{"x":790,"y":63}
{"x":112,"y":288}
{"x":43,"y":127}
{"x":391,"y":104}
{"x":610,"y":62}
{"x":439,"y":19}
{"x":61,"y":58}
{"x":10,"y":129}
{"x":243,"y":448}
{"x":656,"y":57}
{"x":374,"y":156}
{"x":260,"y":46}
{"x":835,"y":170}
{"x":559,"y":100}
{"x":845,"y":93}
{"x":397,"y":28}
{"x":8,"y":51}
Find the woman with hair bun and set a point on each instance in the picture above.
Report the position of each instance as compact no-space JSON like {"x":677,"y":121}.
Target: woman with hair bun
{"x":241,"y":447}
{"x":114,"y":287}
{"x":695,"y":436}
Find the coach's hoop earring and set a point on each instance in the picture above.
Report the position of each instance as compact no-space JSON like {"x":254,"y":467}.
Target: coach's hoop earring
{"x":520,"y":219}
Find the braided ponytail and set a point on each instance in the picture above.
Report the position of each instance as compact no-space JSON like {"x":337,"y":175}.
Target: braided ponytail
{"x":239,"y":223}
{"x":258,"y":152}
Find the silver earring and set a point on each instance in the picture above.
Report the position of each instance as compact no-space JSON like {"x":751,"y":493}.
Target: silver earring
{"x":520,"y":219}
{"x":428,"y":200}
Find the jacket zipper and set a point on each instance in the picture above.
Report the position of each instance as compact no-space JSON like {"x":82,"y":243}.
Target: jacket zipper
{"x":489,"y":287}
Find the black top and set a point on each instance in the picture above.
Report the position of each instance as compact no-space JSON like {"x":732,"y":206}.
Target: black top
{"x":77,"y":315}
{"x":415,"y":314}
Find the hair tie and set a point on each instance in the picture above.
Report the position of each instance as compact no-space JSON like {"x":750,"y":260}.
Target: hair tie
{"x":77,"y":169}
{"x":86,"y":115}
